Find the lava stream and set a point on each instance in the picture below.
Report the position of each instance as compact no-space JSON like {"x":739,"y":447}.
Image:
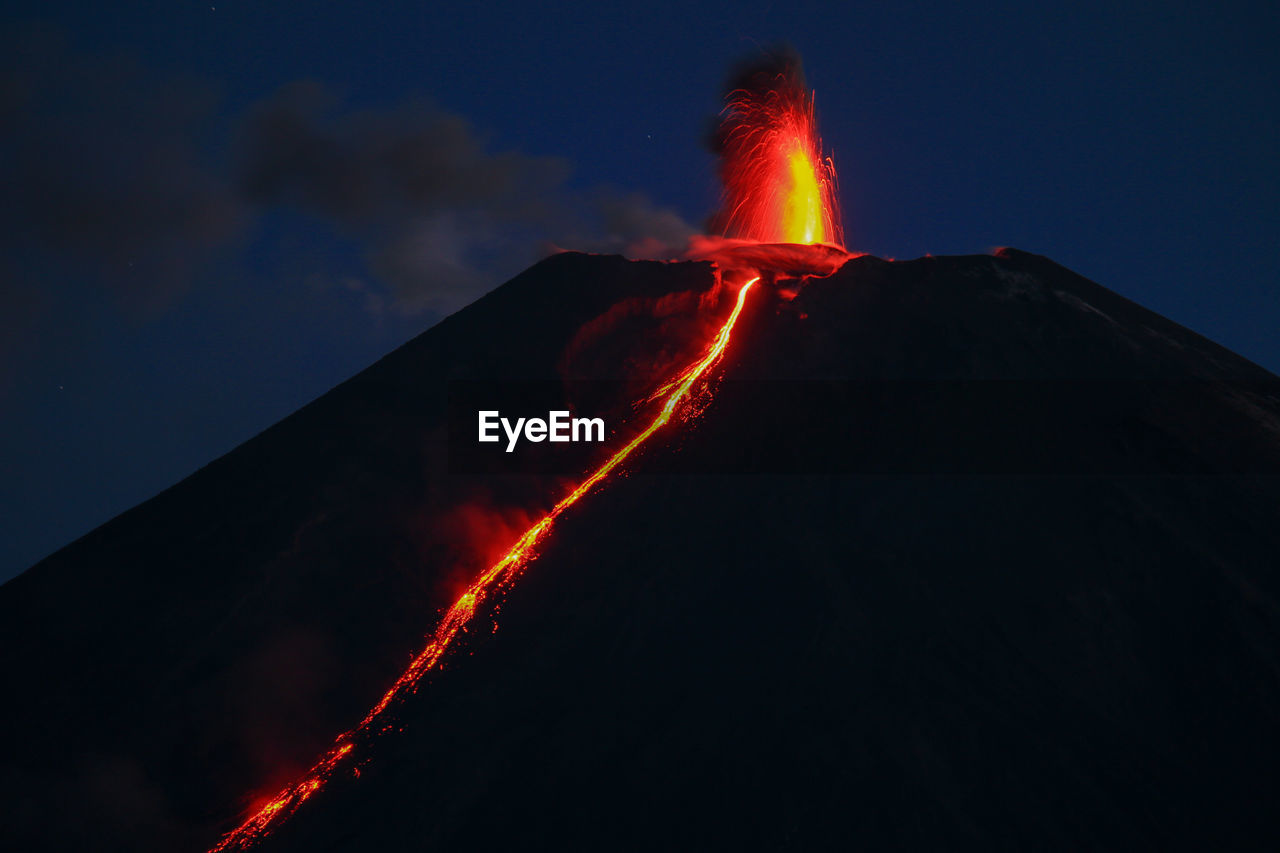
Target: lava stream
{"x":280,"y":807}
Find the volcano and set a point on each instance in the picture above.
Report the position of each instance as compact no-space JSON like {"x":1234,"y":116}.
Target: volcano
{"x":953,"y":551}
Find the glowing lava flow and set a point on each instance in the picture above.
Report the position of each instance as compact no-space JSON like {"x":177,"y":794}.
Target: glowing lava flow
{"x":282,"y":805}
{"x":778,"y":186}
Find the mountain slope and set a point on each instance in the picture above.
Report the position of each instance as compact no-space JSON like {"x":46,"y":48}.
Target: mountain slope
{"x":963,"y":550}
{"x":212,"y":640}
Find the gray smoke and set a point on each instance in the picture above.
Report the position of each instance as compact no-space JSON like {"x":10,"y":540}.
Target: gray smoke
{"x":442,"y":217}
{"x":123,"y":189}
{"x":102,"y":170}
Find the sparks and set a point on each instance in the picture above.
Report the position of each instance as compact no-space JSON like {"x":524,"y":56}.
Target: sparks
{"x":284,"y":804}
{"x":778,"y":186}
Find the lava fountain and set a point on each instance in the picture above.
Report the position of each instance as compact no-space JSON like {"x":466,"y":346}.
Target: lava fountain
{"x":779,"y":186}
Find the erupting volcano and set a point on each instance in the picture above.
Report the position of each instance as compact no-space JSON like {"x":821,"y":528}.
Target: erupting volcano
{"x":779,"y":185}
{"x":777,"y":188}
{"x":907,"y":554}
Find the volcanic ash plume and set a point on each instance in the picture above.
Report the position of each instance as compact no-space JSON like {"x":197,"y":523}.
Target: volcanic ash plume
{"x":778,"y":185}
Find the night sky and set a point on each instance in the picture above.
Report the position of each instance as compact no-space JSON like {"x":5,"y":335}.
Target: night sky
{"x":214,"y":212}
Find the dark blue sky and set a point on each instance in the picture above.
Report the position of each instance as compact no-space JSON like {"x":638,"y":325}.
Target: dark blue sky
{"x":190,"y":254}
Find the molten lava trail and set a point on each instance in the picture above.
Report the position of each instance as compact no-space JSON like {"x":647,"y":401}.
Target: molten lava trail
{"x":280,"y":807}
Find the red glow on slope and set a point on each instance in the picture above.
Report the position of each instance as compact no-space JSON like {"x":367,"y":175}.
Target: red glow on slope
{"x":778,"y":186}
{"x":280,"y":807}
{"x":779,"y":219}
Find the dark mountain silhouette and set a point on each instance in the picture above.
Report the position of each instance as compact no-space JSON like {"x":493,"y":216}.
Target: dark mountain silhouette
{"x":963,"y":551}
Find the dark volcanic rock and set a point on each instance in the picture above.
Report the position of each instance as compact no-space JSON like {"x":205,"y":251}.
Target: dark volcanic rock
{"x":211,"y":641}
{"x":964,"y":551}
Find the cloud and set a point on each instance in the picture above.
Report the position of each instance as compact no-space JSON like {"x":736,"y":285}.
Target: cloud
{"x":443,"y":217}
{"x":438,"y":262}
{"x":105,"y":179}
{"x":124,"y":189}
{"x":629,"y":224}
{"x":299,"y":147}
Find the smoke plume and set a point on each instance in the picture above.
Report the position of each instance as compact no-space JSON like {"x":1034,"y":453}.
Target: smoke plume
{"x":441,"y":216}
{"x":126,"y":190}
